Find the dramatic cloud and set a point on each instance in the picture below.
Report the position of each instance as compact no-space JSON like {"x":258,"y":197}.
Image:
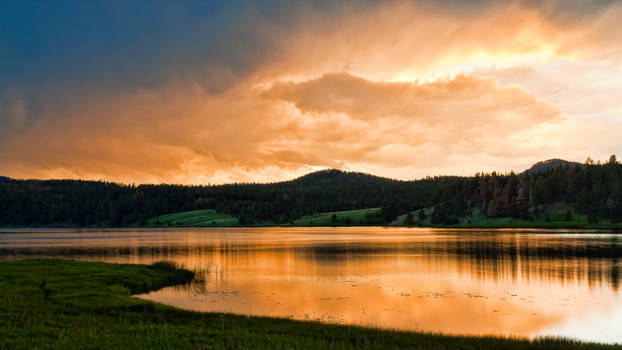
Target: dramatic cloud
{"x":264,"y":92}
{"x":187,"y":134}
{"x":464,"y":101}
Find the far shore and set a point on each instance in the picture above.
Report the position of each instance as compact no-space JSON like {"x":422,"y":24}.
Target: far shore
{"x":466,"y":227}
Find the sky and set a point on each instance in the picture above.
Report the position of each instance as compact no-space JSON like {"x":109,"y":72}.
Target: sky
{"x":209,"y":92}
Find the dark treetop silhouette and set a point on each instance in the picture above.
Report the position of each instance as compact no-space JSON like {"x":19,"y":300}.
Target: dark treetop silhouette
{"x":590,"y":189}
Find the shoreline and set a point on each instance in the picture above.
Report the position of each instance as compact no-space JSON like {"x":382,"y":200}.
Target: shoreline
{"x":66,"y":303}
{"x":612,"y":227}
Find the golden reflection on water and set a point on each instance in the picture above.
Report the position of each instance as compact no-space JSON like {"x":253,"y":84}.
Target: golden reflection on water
{"x":502,"y":282}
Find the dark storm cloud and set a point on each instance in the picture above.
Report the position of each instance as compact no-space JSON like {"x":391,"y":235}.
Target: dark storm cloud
{"x":114,"y":43}
{"x":97,"y":45}
{"x":121,"y":43}
{"x":56,"y":52}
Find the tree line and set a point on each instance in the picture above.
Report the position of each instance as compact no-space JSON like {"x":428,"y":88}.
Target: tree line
{"x":592,"y":188}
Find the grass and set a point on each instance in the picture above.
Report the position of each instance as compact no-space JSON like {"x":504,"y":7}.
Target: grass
{"x":551,"y":216}
{"x":63,"y":304}
{"x":194,"y":218}
{"x":344,"y":218}
{"x":203,"y":218}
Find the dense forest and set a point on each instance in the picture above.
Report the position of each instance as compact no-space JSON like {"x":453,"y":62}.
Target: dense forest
{"x":593,"y":189}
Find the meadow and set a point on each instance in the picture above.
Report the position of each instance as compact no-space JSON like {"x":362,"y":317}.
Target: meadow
{"x":556,"y":215}
{"x":341,"y":218}
{"x":194,"y":218}
{"x":209,"y":217}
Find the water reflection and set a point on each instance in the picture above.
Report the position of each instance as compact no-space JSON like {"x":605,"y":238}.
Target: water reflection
{"x":454,"y":281}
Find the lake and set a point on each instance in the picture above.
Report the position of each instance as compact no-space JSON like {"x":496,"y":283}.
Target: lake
{"x":481,"y":282}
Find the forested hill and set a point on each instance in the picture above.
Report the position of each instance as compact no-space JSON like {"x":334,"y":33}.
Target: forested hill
{"x":74,"y":202}
{"x":334,"y":177}
{"x":552,"y":164}
{"x":590,"y":189}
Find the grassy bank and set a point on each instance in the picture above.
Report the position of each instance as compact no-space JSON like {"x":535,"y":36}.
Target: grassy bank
{"x":60,"y":304}
{"x":195,"y":218}
{"x":212,"y":218}
{"x":557,"y":215}
{"x":340,"y":218}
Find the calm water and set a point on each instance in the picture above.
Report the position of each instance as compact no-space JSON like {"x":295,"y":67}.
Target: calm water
{"x":518,"y":282}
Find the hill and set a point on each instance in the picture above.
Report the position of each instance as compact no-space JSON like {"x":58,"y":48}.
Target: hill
{"x":552,"y":164}
{"x":335,"y":177}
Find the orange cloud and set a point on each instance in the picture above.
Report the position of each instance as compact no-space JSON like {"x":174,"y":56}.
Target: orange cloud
{"x":392,"y":89}
{"x":408,"y":40}
{"x":479,"y":101}
{"x":185,"y":134}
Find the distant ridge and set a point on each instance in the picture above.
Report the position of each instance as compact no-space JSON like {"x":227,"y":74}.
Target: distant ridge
{"x":551,"y":164}
{"x":533,"y":198}
{"x":339,"y":177}
{"x":330,"y":177}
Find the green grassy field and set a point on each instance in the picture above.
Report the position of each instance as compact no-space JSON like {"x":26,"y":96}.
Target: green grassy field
{"x":344,"y":218}
{"x":551,"y":216}
{"x":194,"y":218}
{"x":202,"y":218}
{"x":63,"y":304}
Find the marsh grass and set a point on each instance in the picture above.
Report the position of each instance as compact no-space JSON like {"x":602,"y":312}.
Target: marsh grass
{"x":64,"y":304}
{"x":166,"y":266}
{"x":200,"y":282}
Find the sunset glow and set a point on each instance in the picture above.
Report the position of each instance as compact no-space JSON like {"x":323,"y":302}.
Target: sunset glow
{"x":266,"y":92}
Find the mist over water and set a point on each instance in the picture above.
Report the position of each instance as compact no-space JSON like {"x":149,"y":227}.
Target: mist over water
{"x":503,"y":282}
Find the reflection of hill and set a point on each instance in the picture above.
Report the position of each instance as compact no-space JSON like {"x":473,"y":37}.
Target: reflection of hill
{"x":595,"y":261}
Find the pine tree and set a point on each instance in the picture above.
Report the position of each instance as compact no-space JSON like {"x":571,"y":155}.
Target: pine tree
{"x":409,"y":221}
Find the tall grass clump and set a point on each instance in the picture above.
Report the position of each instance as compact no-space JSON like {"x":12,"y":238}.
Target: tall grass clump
{"x":165,"y":265}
